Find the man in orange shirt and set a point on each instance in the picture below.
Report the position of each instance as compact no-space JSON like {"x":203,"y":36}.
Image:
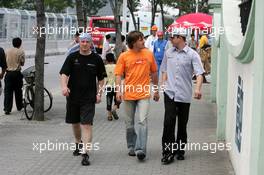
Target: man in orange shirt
{"x":136,"y":65}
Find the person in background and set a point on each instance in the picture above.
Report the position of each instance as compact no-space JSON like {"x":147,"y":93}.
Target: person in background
{"x":124,"y":47}
{"x":152,"y":38}
{"x":159,"y":49}
{"x":75,"y":44}
{"x":203,"y":41}
{"x":106,"y":47}
{"x":15,"y":59}
{"x":3,"y":67}
{"x":192,"y":43}
{"x":110,"y":88}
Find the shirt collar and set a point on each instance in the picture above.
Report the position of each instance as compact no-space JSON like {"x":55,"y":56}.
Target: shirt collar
{"x":185,"y":49}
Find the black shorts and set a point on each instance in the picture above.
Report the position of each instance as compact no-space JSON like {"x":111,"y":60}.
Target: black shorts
{"x":80,"y":113}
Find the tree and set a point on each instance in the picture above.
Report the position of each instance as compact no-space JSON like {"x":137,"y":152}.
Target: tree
{"x":39,"y":63}
{"x":57,"y":6}
{"x":203,"y":6}
{"x":162,"y":14}
{"x":79,"y":12}
{"x":10,"y":4}
{"x":132,"y":6}
{"x":116,"y":8}
{"x":154,"y":4}
{"x":93,"y":6}
{"x":188,"y":6}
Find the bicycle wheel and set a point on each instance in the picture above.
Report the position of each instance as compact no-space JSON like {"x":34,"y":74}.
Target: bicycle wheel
{"x":47,"y":100}
{"x":29,"y":103}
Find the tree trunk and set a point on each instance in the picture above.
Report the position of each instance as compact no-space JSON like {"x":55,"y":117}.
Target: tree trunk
{"x":39,"y":64}
{"x":162,"y":15}
{"x":129,"y":6}
{"x":85,"y":17}
{"x":79,"y":12}
{"x":116,"y":8}
{"x":153,"y":10}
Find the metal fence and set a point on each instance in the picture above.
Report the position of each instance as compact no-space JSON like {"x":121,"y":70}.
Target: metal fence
{"x":21,"y":23}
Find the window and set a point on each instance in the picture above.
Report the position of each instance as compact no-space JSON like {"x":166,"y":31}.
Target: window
{"x":245,"y":8}
{"x":103,"y":23}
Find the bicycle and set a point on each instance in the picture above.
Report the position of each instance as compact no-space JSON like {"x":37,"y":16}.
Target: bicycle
{"x":29,"y":93}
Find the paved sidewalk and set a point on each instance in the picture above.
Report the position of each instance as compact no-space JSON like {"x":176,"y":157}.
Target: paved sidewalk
{"x":18,"y":135}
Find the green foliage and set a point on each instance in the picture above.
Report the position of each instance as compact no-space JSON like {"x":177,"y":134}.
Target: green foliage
{"x":10,"y":3}
{"x":188,"y":6}
{"x":92,"y":6}
{"x":55,"y":6}
{"x":133,"y":4}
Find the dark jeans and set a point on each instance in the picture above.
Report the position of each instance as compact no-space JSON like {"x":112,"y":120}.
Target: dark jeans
{"x":13,"y":83}
{"x":173,"y":109}
{"x":110,"y":95}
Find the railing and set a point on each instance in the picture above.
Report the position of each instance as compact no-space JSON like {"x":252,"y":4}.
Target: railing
{"x":245,"y":8}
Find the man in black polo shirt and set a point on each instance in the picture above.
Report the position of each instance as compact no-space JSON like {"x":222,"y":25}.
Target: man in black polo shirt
{"x":78,"y":81}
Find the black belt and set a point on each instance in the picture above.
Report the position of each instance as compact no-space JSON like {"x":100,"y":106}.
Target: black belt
{"x":12,"y":70}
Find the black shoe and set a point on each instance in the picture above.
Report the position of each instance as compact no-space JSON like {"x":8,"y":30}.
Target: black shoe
{"x":131,"y":153}
{"x":85,"y":160}
{"x":141,"y":156}
{"x":115,"y":115}
{"x":167,"y":159}
{"x":180,"y":157}
{"x":7,"y":112}
{"x":78,"y":147}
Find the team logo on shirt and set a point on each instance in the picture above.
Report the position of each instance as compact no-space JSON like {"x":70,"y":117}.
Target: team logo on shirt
{"x":90,"y":65}
{"x":76,"y":61}
{"x":140,"y":61}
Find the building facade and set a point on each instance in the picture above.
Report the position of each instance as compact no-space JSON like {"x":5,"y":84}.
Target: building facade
{"x":238,"y":81}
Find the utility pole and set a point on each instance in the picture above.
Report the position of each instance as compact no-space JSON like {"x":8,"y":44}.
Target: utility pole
{"x":124,"y":20}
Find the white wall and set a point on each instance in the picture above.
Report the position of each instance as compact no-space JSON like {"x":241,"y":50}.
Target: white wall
{"x":240,"y":160}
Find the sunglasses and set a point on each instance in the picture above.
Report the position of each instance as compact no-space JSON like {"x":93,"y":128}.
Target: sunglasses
{"x":177,"y":36}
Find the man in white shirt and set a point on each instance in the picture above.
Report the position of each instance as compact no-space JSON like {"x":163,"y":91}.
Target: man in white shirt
{"x":152,"y":38}
{"x":106,"y":47}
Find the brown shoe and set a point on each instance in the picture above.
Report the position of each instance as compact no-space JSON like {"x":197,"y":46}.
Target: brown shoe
{"x":110,"y":118}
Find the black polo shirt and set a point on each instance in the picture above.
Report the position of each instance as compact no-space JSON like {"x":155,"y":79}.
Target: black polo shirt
{"x":83,"y":71}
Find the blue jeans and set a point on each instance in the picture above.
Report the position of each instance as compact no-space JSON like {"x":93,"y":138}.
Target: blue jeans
{"x":137,"y":137}
{"x":158,"y":64}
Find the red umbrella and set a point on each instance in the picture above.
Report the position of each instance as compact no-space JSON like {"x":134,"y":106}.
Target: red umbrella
{"x":192,"y":20}
{"x":195,"y":18}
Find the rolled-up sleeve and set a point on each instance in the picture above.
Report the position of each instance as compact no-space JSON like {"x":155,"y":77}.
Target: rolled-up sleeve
{"x":163,"y":67}
{"x":197,"y":64}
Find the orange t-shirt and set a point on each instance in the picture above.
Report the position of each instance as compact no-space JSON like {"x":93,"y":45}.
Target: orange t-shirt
{"x":137,"y":67}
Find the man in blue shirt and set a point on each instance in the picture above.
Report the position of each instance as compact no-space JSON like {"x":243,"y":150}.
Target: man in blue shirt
{"x":159,"y":48}
{"x":179,"y":64}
